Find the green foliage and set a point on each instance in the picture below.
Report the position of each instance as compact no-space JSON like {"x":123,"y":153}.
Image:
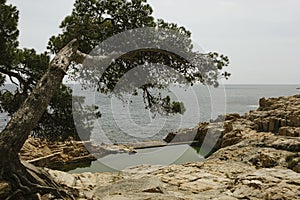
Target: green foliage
{"x":57,"y":122}
{"x":94,"y":21}
{"x":173,"y":107}
{"x":24,"y":67}
{"x":8,"y":33}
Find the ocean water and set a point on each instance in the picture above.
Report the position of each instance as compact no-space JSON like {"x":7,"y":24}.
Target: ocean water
{"x":130,"y":122}
{"x":124,"y":122}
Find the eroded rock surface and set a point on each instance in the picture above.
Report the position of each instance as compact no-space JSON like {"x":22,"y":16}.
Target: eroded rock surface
{"x":55,"y":155}
{"x":255,"y":156}
{"x":274,"y":113}
{"x":67,"y":155}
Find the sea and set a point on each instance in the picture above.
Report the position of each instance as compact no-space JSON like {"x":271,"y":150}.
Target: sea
{"x":125,"y":120}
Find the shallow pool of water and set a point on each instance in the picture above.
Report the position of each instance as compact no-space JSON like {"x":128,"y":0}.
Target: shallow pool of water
{"x":177,"y":154}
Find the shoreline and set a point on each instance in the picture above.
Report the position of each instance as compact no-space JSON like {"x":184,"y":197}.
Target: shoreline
{"x":258,"y":156}
{"x":254,"y":157}
{"x":58,"y":154}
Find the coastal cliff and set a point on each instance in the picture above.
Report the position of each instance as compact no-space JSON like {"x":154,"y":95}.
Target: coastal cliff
{"x":253,"y":156}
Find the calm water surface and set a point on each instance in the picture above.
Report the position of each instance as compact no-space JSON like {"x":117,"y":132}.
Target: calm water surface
{"x":122,"y":122}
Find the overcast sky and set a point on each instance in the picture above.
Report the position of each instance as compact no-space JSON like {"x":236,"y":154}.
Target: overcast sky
{"x":261,"y":37}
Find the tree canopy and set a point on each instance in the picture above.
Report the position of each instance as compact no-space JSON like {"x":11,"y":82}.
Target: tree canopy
{"x":92,"y":22}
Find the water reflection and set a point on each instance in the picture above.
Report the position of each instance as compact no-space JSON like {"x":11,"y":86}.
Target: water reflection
{"x":177,"y":154}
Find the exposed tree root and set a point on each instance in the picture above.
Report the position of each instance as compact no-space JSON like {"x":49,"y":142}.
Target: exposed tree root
{"x":30,"y":182}
{"x":27,"y":181}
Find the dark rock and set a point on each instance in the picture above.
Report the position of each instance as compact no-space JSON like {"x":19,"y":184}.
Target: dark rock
{"x":231,"y":138}
{"x":289,"y":131}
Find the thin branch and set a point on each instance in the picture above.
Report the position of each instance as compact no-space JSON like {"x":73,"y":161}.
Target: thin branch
{"x":11,"y":74}
{"x":10,"y":78}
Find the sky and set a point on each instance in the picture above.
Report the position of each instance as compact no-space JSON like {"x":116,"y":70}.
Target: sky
{"x":260,"y":37}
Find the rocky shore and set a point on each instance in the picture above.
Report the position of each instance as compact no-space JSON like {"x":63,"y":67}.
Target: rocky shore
{"x":55,"y":155}
{"x":67,"y":155}
{"x":253,"y":156}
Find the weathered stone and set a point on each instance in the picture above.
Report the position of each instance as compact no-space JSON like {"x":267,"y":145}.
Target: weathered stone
{"x":293,"y":162}
{"x":289,"y":131}
{"x":268,"y":184}
{"x":227,"y":117}
{"x":247,"y":163}
{"x":186,"y":135}
{"x":231,"y":138}
{"x":275,"y":113}
{"x":55,"y":155}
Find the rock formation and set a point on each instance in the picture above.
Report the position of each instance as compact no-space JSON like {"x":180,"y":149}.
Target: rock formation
{"x":248,"y":162}
{"x":67,"y":155}
{"x":280,"y":116}
{"x":256,"y":156}
{"x":56,"y":155}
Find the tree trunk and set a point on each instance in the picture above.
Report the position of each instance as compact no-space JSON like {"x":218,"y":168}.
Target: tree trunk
{"x":24,"y":120}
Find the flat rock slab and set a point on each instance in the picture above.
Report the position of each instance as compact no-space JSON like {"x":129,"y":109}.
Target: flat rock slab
{"x":131,"y":186}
